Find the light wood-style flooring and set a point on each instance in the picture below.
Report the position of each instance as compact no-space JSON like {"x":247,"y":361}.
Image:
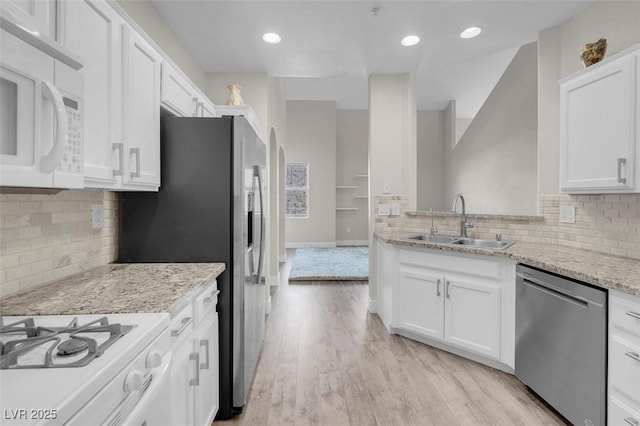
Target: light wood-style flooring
{"x":327,"y":361}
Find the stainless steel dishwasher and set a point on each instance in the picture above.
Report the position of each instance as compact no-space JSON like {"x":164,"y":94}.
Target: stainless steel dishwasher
{"x":561,"y":343}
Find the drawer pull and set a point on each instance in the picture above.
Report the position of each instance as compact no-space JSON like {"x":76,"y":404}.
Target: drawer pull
{"x":633,"y":355}
{"x":205,"y":343}
{"x":631,"y":421}
{"x":210,"y":298}
{"x":186,"y":322}
{"x":195,"y":381}
{"x":633,"y":314}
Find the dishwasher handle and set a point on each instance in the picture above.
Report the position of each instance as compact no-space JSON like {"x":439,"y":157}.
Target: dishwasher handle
{"x":559,"y":293}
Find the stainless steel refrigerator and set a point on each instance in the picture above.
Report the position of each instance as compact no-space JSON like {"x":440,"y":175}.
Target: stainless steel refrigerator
{"x":210,"y":209}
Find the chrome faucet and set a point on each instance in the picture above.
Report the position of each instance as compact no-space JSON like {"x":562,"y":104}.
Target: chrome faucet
{"x":463,"y":217}
{"x":434,"y":230}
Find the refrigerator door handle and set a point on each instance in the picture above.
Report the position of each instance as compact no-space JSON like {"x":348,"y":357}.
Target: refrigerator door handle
{"x":256,"y":172}
{"x":250,"y":208}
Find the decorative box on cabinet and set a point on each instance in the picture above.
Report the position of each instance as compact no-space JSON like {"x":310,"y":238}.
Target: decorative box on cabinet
{"x":624,"y":359}
{"x":600,"y":127}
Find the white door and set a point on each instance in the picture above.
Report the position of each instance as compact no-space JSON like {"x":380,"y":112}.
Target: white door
{"x":141,"y":112}
{"x":598,"y":119}
{"x":207,"y":398}
{"x":182,"y":389}
{"x":472,"y":316}
{"x":92,"y":29}
{"x":33,"y":15}
{"x":420,"y":303}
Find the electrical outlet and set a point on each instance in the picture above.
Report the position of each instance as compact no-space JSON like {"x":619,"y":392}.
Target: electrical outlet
{"x":567,"y":214}
{"x":395,"y":209}
{"x":386,"y":189}
{"x":383,"y":209}
{"x":97,"y":216}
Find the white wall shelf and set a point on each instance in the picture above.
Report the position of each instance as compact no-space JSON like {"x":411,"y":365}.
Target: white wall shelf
{"x":362,"y":175}
{"x":361,"y":196}
{"x":346,"y":187}
{"x":341,"y":209}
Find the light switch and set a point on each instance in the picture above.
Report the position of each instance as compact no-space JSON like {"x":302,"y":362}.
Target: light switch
{"x":395,"y":209}
{"x":97,"y":216}
{"x":383,"y":209}
{"x":567,"y":214}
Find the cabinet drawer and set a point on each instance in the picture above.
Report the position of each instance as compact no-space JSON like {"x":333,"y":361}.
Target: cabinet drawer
{"x":624,"y":313}
{"x":181,"y":325}
{"x":206,"y":302}
{"x":624,"y":367}
{"x":622,"y":415}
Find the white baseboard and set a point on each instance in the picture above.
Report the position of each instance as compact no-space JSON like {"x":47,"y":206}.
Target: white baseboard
{"x":273,"y":280}
{"x":267,"y":306}
{"x":311,"y":244}
{"x":350,"y":243}
{"x":373,"y":306}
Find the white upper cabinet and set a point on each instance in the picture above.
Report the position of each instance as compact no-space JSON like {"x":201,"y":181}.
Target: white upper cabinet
{"x":600,"y":127}
{"x":141,"y":112}
{"x":178,"y":95}
{"x":34,"y":15}
{"x":93,"y":29}
{"x":207,"y":109}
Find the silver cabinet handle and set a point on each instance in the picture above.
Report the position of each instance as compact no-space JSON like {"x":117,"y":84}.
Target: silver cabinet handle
{"x":633,"y":314}
{"x":210,"y":298}
{"x":201,"y":105}
{"x":438,"y":288}
{"x":195,"y":357}
{"x":136,"y":152}
{"x":205,"y":343}
{"x":185,"y":323}
{"x":195,"y":105}
{"x":447,"y":288}
{"x":631,"y":421}
{"x":633,"y":355}
{"x":621,"y":161}
{"x":120,"y":148}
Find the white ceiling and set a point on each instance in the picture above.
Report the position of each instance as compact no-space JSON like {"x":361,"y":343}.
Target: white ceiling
{"x":329,"y":48}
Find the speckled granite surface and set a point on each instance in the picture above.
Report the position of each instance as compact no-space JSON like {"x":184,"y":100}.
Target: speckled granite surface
{"x":613,"y":272}
{"x":115,"y":289}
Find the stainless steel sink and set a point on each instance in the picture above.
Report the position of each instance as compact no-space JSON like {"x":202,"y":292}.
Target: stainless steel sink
{"x":441,"y":239}
{"x":477,"y":242}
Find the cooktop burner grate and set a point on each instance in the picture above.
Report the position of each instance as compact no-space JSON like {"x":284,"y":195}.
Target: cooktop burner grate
{"x":23,"y":338}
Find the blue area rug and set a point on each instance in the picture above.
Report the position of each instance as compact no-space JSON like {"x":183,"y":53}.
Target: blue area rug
{"x":330,"y":264}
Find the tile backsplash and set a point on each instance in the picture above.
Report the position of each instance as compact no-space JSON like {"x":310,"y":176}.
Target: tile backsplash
{"x":604,"y":223}
{"x":44,"y":237}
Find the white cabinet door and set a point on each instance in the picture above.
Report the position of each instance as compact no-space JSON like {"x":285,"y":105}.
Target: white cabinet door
{"x":92,"y":29}
{"x":472,"y":316}
{"x":141,"y":113}
{"x":34,"y":15}
{"x":178,"y":96}
{"x":598,"y":119}
{"x":420,"y":305}
{"x":207,"y":398}
{"x":207,"y":109}
{"x":183,"y":388}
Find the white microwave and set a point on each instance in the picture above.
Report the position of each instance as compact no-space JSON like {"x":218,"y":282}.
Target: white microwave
{"x":41,"y":128}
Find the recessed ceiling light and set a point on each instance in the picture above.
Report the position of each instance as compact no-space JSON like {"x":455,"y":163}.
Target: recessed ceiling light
{"x":471,"y":32}
{"x":410,"y":40}
{"x":271,"y":38}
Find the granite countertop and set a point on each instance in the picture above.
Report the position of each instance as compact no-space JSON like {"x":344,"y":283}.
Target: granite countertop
{"x":602,"y":270}
{"x":115,"y":289}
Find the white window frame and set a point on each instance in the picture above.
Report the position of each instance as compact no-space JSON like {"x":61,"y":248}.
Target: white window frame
{"x":304,"y":188}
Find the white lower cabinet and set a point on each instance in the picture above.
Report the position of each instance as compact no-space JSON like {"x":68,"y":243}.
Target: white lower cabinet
{"x":624,"y":359}
{"x":464,"y":303}
{"x":194,"y":372}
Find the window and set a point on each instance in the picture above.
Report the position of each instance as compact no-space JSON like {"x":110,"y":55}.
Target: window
{"x":296,"y":184}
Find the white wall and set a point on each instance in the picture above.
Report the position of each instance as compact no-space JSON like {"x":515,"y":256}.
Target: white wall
{"x":431,"y":160}
{"x":494,"y":163}
{"x":154,"y":25}
{"x":559,"y":56}
{"x":311,"y":136}
{"x":352,"y":139}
